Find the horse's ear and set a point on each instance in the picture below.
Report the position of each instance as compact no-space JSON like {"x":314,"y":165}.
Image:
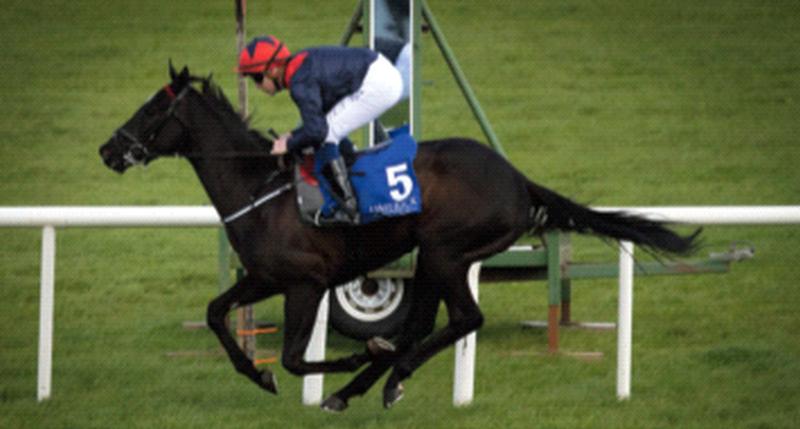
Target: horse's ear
{"x":183,"y":78}
{"x":172,"y":72}
{"x":207,"y":83}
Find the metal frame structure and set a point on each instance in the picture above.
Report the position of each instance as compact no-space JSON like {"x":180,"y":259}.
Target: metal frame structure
{"x":553,"y":262}
{"x":423,"y":15}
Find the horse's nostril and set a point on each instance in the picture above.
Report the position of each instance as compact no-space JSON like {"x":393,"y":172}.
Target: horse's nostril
{"x":106,"y":151}
{"x":110,"y":159}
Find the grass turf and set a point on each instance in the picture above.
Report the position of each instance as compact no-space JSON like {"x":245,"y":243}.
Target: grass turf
{"x":612,"y":103}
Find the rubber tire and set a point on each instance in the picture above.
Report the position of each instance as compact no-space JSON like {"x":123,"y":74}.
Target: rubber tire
{"x":347,"y":320}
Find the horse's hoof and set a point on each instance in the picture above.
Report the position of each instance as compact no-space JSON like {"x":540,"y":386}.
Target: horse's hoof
{"x":269,"y":382}
{"x":377,"y":346}
{"x":333,"y":404}
{"x":392,"y":395}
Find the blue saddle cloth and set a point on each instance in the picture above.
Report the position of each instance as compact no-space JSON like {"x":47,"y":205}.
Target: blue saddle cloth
{"x":383,"y":179}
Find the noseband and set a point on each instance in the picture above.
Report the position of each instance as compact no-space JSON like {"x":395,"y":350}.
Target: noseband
{"x":137,"y":152}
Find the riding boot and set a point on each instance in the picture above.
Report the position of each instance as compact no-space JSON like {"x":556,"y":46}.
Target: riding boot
{"x":348,"y":151}
{"x":348,"y":202}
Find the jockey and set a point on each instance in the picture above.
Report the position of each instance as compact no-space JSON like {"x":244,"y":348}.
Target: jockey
{"x":336,"y":89}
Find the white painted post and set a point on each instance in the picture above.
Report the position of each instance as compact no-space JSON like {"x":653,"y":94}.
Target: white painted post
{"x":312,"y":384}
{"x":464,"y":373}
{"x":625,"y":322}
{"x":46,"y":299}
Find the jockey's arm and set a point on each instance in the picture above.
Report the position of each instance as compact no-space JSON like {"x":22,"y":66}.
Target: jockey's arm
{"x":314,"y":128}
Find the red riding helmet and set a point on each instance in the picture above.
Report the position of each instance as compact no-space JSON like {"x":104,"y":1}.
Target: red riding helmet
{"x":262,"y":53}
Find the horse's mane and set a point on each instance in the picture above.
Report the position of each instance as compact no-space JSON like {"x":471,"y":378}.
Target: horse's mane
{"x":235,"y":124}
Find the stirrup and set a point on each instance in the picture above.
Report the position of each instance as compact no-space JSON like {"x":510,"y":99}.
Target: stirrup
{"x":338,"y":218}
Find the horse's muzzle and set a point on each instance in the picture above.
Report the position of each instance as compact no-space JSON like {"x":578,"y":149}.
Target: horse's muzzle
{"x":113,"y":157}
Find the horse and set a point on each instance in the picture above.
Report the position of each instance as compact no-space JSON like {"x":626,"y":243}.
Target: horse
{"x":475,"y":205}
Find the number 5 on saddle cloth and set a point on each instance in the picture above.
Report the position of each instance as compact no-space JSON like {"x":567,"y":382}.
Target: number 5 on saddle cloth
{"x":382,"y":177}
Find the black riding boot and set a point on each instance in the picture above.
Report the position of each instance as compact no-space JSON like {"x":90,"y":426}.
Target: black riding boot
{"x":348,"y":202}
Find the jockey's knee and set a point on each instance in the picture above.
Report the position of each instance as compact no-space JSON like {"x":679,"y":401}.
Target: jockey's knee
{"x":347,"y":148}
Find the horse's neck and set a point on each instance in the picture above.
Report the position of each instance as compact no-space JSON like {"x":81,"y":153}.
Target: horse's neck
{"x":228,"y":181}
{"x":228,"y":189}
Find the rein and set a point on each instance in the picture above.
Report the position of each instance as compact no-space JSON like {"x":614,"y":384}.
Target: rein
{"x":239,"y":154}
{"x":259,"y":202}
{"x":138,"y":153}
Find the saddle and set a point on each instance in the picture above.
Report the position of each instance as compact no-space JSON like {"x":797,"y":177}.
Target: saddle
{"x":382,"y":177}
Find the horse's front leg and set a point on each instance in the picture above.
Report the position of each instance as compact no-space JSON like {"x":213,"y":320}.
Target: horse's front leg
{"x":300,"y":313}
{"x":246,"y":291}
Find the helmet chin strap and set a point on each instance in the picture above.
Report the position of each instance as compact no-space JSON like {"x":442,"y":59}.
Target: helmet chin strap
{"x":278,"y":82}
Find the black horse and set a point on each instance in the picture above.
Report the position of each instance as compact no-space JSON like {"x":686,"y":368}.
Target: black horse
{"x":475,"y":204}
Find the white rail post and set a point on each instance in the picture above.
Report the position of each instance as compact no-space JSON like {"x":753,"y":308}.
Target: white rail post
{"x":625,"y":322}
{"x":464,"y":373}
{"x":312,"y":384}
{"x":46,"y":299}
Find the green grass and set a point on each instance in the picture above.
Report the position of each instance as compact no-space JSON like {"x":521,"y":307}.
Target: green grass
{"x":612,"y":103}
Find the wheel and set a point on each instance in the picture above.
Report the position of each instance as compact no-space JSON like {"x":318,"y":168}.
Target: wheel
{"x":365,"y":308}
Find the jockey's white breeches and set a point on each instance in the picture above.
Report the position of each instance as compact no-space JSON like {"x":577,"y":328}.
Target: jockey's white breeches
{"x":381,"y":89}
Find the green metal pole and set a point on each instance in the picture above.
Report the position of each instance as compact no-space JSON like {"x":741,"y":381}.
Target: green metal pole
{"x":244,"y":314}
{"x":352,"y":26}
{"x":416,"y":88}
{"x":565,"y":259}
{"x":554,"y":278}
{"x":461,"y":79}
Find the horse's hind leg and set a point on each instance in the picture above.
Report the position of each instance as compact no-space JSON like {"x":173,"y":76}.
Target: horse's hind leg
{"x":245,"y":291}
{"x":418,"y":324}
{"x":464,"y":315}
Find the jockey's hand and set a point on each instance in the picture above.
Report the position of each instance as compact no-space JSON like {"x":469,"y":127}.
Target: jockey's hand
{"x":279,"y":145}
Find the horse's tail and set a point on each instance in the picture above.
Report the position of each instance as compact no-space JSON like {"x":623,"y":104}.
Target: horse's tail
{"x":551,"y":211}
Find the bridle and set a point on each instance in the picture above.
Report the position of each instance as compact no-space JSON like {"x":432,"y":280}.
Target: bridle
{"x":137,"y":152}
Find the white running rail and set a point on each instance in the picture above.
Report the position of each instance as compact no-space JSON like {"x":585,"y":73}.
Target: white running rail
{"x":50,"y":218}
